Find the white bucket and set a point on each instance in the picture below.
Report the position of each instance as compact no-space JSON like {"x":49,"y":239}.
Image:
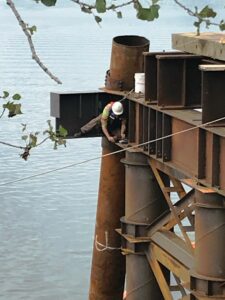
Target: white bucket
{"x":139,"y":82}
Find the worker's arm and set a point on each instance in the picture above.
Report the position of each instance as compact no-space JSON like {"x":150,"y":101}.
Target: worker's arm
{"x":123,"y":129}
{"x":105,"y":130}
{"x":104,"y":122}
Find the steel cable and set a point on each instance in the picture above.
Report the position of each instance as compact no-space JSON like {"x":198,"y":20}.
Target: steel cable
{"x":109,"y":154}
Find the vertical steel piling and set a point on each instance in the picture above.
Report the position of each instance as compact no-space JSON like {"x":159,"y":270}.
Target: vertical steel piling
{"x":108,"y":266}
{"x":209,"y":276}
{"x":126,"y":60}
{"x":143,"y":203}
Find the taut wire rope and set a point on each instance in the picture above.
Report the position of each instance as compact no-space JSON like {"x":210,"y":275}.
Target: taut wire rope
{"x":112,"y":153}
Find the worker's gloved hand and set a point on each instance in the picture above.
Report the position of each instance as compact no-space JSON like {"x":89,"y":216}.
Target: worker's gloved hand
{"x":111,"y":139}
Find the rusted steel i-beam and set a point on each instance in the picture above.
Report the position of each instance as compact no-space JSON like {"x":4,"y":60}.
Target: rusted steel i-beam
{"x":143,"y":203}
{"x":108,"y":266}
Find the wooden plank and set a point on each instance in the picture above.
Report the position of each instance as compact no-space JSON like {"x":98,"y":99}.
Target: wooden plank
{"x":207,"y":44}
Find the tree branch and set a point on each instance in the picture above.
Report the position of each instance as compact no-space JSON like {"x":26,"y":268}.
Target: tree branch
{"x":3,"y":111}
{"x":11,"y":145}
{"x":120,"y":5}
{"x":29,"y":38}
{"x":190,"y":12}
{"x":44,"y":140}
{"x":111,"y":7}
{"x":201,"y":18}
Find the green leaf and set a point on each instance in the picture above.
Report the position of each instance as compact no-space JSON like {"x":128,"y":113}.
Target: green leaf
{"x":49,"y":2}
{"x":148,"y":14}
{"x":5,"y":94}
{"x":24,"y":137}
{"x":119,"y":15}
{"x":32,"y":140}
{"x":155,"y":11}
{"x":16,"y":97}
{"x":32,"y":29}
{"x":24,"y":126}
{"x":17,"y":110}
{"x":62,"y":131}
{"x":98,"y":19}
{"x":207,"y":12}
{"x":100,"y":6}
{"x":14,"y":109}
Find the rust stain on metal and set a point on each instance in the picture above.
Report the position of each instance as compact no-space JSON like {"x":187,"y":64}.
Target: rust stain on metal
{"x":108,"y":267}
{"x":126,"y":60}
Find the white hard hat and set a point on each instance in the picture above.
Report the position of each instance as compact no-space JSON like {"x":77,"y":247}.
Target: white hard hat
{"x":117,"y":108}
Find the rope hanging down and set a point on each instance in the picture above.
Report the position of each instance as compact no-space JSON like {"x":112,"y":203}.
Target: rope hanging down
{"x":112,"y":153}
{"x":101,"y":247}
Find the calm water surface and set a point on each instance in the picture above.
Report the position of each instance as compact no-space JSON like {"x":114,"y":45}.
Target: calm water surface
{"x":47,"y":223}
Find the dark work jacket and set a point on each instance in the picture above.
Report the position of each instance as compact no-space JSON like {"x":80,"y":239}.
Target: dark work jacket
{"x":114,"y":122}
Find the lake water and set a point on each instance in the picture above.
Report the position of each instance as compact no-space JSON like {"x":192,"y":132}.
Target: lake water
{"x":47,"y":222}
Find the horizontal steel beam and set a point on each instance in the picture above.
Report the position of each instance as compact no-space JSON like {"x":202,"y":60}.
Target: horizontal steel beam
{"x":171,"y":137}
{"x":171,"y":263}
{"x":171,"y":243}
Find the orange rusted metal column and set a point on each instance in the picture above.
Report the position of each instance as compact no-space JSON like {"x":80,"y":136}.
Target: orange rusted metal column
{"x":207,"y":280}
{"x":108,"y":267}
{"x":143,"y":203}
{"x":126,"y":60}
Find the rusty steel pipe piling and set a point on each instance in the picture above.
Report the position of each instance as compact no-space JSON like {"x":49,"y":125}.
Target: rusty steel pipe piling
{"x":108,"y":266}
{"x":143,"y":203}
{"x":208,"y":279}
{"x":126,"y":60}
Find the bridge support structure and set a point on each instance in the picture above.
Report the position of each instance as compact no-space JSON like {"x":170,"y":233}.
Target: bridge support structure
{"x":173,"y":227}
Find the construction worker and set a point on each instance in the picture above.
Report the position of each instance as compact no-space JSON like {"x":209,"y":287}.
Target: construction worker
{"x":112,"y":121}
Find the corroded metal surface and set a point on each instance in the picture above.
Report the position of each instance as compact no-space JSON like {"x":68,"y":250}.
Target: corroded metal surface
{"x":126,"y":60}
{"x":180,"y":147}
{"x":143,"y":203}
{"x":144,"y":199}
{"x":108,"y":267}
{"x":73,"y":110}
{"x":213,"y":90}
{"x":210,"y":228}
{"x":179,"y":81}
